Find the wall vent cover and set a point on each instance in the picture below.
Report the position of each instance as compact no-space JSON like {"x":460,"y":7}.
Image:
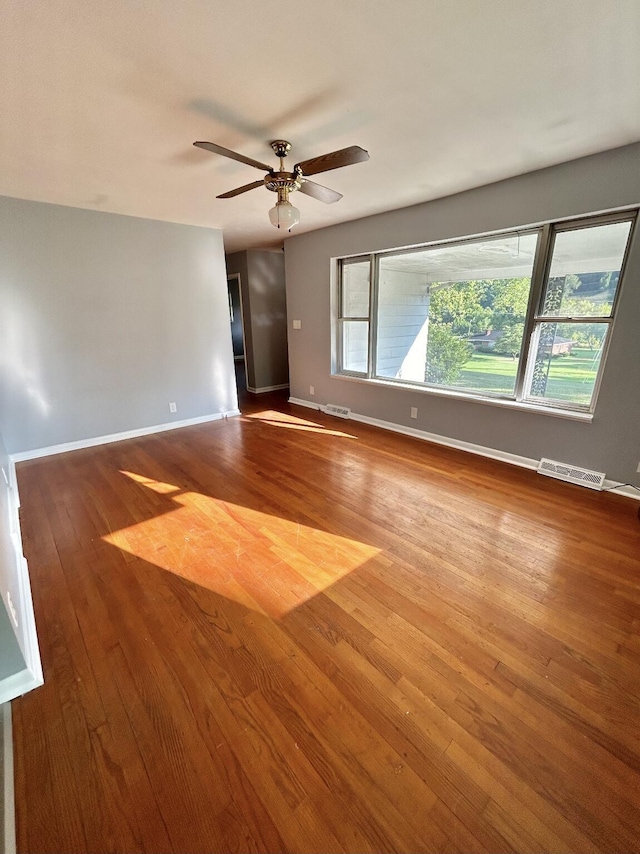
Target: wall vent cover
{"x":572,"y":474}
{"x":340,"y":411}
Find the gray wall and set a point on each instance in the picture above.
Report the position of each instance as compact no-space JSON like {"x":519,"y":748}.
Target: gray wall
{"x":611,"y":443}
{"x":104,"y":320}
{"x":265,"y":315}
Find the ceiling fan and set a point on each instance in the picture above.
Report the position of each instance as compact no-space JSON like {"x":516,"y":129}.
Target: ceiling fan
{"x":284,"y":214}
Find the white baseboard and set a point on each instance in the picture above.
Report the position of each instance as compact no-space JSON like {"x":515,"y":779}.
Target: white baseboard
{"x":470,"y":447}
{"x":309,"y":405}
{"x":118,"y":437}
{"x":480,"y":450}
{"x":8,"y":795}
{"x":265,"y":388}
{"x":621,"y":489}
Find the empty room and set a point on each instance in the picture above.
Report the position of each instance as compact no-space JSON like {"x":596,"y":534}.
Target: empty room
{"x":319,"y":406}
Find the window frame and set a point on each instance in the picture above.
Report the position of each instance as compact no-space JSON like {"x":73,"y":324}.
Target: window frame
{"x":539,"y":318}
{"x":341,"y":319}
{"x":520,"y":399}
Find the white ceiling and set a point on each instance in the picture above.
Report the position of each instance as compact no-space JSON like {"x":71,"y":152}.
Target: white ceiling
{"x":100,"y":100}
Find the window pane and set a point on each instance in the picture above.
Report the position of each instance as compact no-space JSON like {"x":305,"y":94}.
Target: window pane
{"x":585,"y":268}
{"x":454,"y":315}
{"x":355,"y":289}
{"x":567,"y":359}
{"x":355,"y":345}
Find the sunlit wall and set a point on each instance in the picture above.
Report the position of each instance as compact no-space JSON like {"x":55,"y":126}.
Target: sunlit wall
{"x":104,"y":321}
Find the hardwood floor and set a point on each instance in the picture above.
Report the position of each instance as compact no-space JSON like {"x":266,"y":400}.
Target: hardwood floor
{"x":287,"y":632}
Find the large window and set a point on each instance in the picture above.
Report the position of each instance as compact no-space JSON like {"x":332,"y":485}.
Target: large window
{"x":524,"y":316}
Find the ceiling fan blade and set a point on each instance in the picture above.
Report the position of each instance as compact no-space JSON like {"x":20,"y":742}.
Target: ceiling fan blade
{"x":226,"y":152}
{"x":334,"y":160}
{"x":317,"y":191}
{"x":245,"y":189}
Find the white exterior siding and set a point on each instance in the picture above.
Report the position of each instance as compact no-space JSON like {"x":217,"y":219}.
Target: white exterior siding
{"x":403,"y":323}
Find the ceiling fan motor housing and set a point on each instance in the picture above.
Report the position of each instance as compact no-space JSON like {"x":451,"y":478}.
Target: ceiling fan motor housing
{"x":282,"y":181}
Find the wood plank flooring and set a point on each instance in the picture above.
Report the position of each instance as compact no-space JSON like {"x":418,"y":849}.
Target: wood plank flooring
{"x":290,"y":633}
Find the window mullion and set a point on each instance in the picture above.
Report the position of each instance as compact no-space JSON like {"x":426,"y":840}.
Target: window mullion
{"x":373,"y":315}
{"x":538,"y":273}
{"x":339,"y":342}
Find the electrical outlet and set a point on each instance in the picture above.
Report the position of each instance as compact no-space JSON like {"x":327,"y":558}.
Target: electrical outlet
{"x":173,"y":407}
{"x":312,"y":390}
{"x":414,"y":411}
{"x":297,"y":324}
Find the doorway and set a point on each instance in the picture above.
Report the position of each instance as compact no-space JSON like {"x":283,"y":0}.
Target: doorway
{"x":237,"y":332}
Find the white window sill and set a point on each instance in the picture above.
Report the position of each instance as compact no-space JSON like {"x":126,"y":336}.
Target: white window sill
{"x":503,"y":403}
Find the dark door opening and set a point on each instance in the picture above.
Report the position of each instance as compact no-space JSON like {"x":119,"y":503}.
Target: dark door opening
{"x":237,"y":331}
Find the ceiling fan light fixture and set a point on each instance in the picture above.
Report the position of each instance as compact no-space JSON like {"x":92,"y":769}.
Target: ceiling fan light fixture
{"x":284,"y":215}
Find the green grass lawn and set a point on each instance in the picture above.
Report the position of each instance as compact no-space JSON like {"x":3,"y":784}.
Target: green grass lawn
{"x":488,"y":372}
{"x":571,"y":378}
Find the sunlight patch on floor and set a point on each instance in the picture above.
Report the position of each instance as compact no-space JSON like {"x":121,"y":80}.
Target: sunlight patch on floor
{"x":266,"y":563}
{"x":155,"y":485}
{"x":280,"y":419}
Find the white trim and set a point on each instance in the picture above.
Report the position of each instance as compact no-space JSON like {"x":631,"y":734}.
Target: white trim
{"x":30,"y":647}
{"x":470,"y":447}
{"x":18,"y":684}
{"x":27,"y":637}
{"x":6,"y":735}
{"x":504,"y":403}
{"x":21,"y":456}
{"x":621,"y":489}
{"x":267,"y":388}
{"x":298,"y":401}
{"x":13,"y":486}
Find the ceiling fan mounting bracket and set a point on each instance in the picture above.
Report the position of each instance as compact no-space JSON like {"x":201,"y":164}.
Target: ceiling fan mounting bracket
{"x":281,"y":147}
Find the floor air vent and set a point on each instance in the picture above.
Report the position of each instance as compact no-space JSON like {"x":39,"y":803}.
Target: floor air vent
{"x":572,"y":474}
{"x":340,"y":411}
